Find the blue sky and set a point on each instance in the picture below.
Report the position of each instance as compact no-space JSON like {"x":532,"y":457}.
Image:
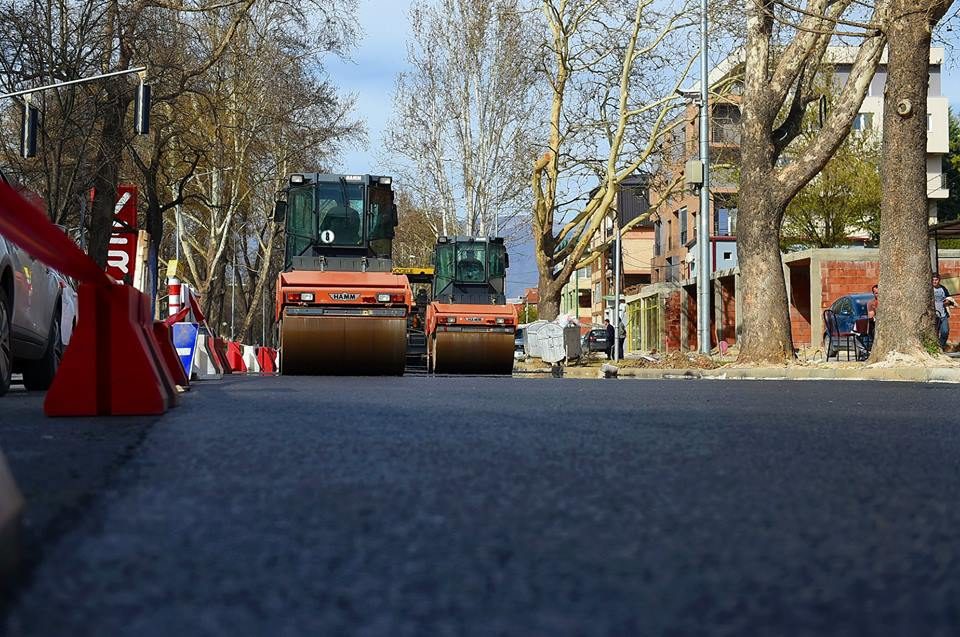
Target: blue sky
{"x":380,"y":55}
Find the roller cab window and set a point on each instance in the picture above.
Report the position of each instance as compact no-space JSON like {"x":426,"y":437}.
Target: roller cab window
{"x":340,"y":214}
{"x":470,"y":262}
{"x":496,"y":261}
{"x":301,"y":220}
{"x":445,"y":268}
{"x":381,"y":221}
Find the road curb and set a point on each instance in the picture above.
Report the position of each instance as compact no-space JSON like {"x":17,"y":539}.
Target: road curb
{"x":894,"y":374}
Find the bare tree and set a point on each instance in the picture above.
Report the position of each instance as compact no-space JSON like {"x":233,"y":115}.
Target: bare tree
{"x":44,"y":41}
{"x":785,"y":51}
{"x":251,"y":126}
{"x":462,"y":114}
{"x":416,"y":235}
{"x":611,"y":96}
{"x":905,"y":321}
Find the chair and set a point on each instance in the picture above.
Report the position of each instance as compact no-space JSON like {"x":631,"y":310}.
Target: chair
{"x":835,"y":337}
{"x":863,"y":338}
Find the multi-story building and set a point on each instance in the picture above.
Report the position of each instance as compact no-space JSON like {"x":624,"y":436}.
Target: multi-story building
{"x":665,"y":313}
{"x":595,"y":283}
{"x":675,"y":223}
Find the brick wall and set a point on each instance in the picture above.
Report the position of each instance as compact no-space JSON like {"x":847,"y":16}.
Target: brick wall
{"x":728,"y":309}
{"x":800,"y":304}
{"x":950,"y":269}
{"x":691,"y":319}
{"x":671,"y":312}
{"x":839,"y":278}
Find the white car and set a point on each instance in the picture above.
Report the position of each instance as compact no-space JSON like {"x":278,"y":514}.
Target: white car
{"x":30,"y":313}
{"x":68,"y":307}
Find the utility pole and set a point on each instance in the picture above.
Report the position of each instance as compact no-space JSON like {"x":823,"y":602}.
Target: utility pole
{"x":576,"y":294}
{"x":233,"y":291}
{"x":617,"y":354}
{"x":703,"y":219}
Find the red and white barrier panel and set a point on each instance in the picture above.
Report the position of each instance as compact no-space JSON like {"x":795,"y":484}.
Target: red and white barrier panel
{"x":235,"y":358}
{"x":250,"y":360}
{"x":267,"y":356}
{"x":114,"y":364}
{"x":173,"y":299}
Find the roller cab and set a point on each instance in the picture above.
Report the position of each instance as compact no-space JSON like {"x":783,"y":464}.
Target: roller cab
{"x":470,"y":326}
{"x":340,"y":309}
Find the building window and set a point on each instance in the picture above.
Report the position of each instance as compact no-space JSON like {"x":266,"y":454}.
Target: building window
{"x":657,"y":236}
{"x":669,"y":234}
{"x":725,"y":127}
{"x":683,"y":226}
{"x":863,"y":122}
{"x":725,"y":215}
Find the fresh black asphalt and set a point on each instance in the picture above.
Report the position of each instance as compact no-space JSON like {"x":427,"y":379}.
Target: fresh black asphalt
{"x":486,"y":506}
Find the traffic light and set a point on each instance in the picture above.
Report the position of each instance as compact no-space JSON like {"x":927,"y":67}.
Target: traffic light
{"x":141,"y":109}
{"x":28,"y":129}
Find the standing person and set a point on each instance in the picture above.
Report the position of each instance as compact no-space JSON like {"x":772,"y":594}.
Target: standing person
{"x":941,"y":299}
{"x":621,"y":336}
{"x":611,"y":334}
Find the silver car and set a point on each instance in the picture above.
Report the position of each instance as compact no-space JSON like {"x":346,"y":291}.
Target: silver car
{"x":30,"y":301}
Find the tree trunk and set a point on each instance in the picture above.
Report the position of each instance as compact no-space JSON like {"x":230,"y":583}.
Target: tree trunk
{"x":905,"y":318}
{"x":549,"y":306}
{"x":109,"y":158}
{"x":262,"y":283}
{"x":766,"y":319}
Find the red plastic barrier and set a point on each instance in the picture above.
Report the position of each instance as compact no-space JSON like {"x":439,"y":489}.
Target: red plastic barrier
{"x":220,"y":347}
{"x":164,"y":336}
{"x":197,"y":314}
{"x":177,"y":318}
{"x":113,"y":365}
{"x":265,"y":357}
{"x":216,"y":356}
{"x":235,"y":358}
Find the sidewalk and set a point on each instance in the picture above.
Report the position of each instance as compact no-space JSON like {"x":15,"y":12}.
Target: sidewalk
{"x":900,"y":374}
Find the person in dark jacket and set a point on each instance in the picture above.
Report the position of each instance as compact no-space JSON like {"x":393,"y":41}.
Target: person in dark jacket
{"x":611,"y":334}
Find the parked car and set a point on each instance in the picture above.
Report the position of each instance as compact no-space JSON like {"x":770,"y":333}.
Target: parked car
{"x":848,"y":310}
{"x":519,"y":341}
{"x":68,"y":307}
{"x":595,"y":340}
{"x":30,"y":302}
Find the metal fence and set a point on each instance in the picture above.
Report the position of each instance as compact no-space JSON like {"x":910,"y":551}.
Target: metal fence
{"x":650,"y":313}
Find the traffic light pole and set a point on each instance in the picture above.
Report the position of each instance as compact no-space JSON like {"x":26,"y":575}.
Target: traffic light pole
{"x":81,"y":80}
{"x":31,"y":115}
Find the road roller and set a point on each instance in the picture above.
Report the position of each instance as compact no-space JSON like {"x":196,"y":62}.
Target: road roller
{"x":470,"y":326}
{"x":340,"y":308}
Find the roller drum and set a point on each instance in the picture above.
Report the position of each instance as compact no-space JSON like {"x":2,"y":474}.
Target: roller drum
{"x":473,"y":353}
{"x":342,"y":345}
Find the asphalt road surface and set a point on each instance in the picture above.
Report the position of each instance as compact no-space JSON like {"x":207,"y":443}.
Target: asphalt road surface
{"x":485,"y":506}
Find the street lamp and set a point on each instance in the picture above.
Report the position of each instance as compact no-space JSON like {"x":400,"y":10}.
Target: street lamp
{"x":703,"y":220}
